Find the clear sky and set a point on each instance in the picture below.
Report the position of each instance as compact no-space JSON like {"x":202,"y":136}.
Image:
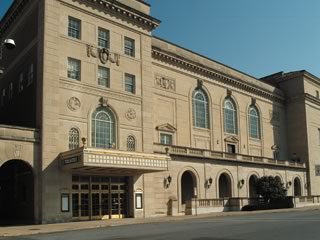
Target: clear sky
{"x":259,"y":37}
{"x":4,"y":5}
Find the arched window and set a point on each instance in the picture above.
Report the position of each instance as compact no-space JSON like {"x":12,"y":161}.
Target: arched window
{"x":230,"y":117}
{"x":200,"y":109}
{"x":103,"y":129}
{"x":131,"y":144}
{"x":73,"y":138}
{"x":254,"y":123}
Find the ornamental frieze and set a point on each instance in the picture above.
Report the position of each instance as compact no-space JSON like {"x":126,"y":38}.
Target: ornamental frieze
{"x":103,"y":54}
{"x":165,"y":83}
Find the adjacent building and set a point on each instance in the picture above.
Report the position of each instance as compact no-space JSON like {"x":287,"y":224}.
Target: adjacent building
{"x":100,"y":119}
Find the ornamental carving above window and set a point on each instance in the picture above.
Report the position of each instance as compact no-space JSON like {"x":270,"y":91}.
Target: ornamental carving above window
{"x":103,"y":54}
{"x":165,"y":83}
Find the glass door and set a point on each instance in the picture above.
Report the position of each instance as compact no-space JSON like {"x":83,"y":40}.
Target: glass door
{"x":84,"y":204}
{"x":118,"y":200}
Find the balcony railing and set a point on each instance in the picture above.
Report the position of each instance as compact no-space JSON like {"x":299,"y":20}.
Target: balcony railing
{"x":203,"y":153}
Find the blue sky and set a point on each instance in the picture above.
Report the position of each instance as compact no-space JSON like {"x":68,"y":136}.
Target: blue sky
{"x":256,"y":37}
{"x":4,"y":5}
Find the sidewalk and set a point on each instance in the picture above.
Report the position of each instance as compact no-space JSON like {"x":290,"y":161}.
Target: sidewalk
{"x":72,"y":226}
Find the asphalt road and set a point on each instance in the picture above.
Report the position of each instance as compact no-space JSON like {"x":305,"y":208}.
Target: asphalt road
{"x":302,"y":225}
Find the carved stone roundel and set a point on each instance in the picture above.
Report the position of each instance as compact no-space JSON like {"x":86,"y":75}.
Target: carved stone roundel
{"x":130,"y":114}
{"x":74,"y":103}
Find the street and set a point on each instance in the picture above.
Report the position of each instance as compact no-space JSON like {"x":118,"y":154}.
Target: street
{"x":264,"y":226}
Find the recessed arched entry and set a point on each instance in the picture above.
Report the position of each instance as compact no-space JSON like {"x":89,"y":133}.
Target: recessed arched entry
{"x":296,"y":187}
{"x":188,"y":186}
{"x":16,"y":193}
{"x":278,"y":179}
{"x":252,"y":186}
{"x":225,"y":189}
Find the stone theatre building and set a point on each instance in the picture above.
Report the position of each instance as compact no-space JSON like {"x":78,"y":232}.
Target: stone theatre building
{"x":100,"y":119}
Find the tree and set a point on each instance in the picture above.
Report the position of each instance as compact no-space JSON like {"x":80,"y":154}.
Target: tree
{"x":270,"y":188}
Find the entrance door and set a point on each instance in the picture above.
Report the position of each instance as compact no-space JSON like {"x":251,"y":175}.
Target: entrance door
{"x":98,"y":197}
{"x":16,"y":193}
{"x":118,"y":204}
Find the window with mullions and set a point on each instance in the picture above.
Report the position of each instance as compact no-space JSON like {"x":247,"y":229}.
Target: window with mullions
{"x":230,"y":117}
{"x":73,"y":138}
{"x":74,"y":28}
{"x":103,"y":128}
{"x":165,"y":139}
{"x":129,"y":48}
{"x":103,"y":38}
{"x":74,"y":68}
{"x":131,"y":144}
{"x":130,"y":83}
{"x":254,"y":123}
{"x":200,"y":109}
{"x":104,"y":77}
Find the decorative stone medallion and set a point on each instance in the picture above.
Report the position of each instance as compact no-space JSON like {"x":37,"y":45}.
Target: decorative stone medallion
{"x":74,"y":104}
{"x":130,"y":114}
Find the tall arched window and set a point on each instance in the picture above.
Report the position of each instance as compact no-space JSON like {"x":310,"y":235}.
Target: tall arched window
{"x":254,"y":122}
{"x":103,"y":128}
{"x":73,"y":138}
{"x":131,"y":144}
{"x":200,"y":109}
{"x":230,"y":117}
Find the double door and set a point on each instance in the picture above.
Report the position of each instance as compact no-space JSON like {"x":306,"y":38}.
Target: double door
{"x":91,"y":201}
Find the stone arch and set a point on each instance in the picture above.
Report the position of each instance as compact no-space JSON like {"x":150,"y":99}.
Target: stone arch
{"x":191,"y":178}
{"x":210,"y":103}
{"x":252,"y":179}
{"x":92,"y":109}
{"x":237,"y":113}
{"x":297,"y":186}
{"x":224,"y":184}
{"x":17,"y":192}
{"x":279,"y":177}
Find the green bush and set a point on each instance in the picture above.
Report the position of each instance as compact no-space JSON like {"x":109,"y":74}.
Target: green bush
{"x":270,"y":187}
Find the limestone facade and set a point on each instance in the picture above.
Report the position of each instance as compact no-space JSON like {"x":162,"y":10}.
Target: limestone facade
{"x":156,"y":148}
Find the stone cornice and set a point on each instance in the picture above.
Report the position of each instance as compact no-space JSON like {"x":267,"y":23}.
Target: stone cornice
{"x":211,"y":73}
{"x":12,"y":14}
{"x":126,"y":12}
{"x":310,"y":98}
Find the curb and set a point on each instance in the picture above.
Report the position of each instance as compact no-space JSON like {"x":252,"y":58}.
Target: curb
{"x":14,"y":231}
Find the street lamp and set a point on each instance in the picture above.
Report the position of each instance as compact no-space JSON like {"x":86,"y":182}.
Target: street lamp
{"x":9,"y":44}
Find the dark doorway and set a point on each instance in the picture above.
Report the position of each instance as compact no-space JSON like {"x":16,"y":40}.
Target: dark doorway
{"x":16,"y":193}
{"x":188,"y":187}
{"x":297,"y":187}
{"x":252,"y":186}
{"x":278,"y":179}
{"x":224,"y":186}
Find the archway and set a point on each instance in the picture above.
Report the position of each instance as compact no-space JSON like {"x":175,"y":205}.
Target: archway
{"x":188,"y":186}
{"x":16,"y":193}
{"x":252,"y":186}
{"x":224,"y":186}
{"x":278,"y":179}
{"x":296,"y":187}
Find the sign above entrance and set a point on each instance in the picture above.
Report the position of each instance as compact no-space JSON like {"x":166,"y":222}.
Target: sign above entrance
{"x":103,"y":54}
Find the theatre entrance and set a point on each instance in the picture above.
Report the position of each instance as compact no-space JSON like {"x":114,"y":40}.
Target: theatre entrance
{"x":99,"y":197}
{"x":16,"y":193}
